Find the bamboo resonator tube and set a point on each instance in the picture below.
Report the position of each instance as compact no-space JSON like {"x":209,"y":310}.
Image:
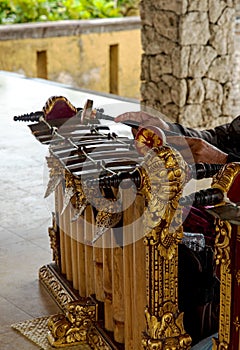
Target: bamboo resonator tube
{"x":113,"y":270}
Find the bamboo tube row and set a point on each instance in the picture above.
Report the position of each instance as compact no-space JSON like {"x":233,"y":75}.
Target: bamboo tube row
{"x":115,"y":274}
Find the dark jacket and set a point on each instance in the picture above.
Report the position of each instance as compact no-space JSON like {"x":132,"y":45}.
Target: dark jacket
{"x":225,"y":137}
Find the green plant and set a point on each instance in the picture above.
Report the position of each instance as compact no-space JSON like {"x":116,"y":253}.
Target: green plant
{"x":127,"y":6}
{"x":29,"y":10}
{"x":5,"y":11}
{"x":100,"y":9}
{"x":22,"y":11}
{"x":85,"y":9}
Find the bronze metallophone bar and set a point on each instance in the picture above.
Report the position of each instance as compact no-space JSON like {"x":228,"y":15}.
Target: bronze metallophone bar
{"x":116,"y":248}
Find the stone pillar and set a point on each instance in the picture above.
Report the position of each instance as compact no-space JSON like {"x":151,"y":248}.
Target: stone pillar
{"x":237,"y":8}
{"x":187,"y":61}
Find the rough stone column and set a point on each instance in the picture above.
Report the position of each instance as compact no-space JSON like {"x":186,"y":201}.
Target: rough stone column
{"x":187,"y":61}
{"x":237,"y":8}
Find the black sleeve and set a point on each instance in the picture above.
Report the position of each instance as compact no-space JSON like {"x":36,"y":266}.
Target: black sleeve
{"x":232,"y":158}
{"x":210,"y":135}
{"x":225,"y":137}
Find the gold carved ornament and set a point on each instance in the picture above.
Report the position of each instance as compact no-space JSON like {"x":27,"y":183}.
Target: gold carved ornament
{"x":73,"y":327}
{"x":63,"y":330}
{"x":109,"y":210}
{"x":166,"y":331}
{"x":224,"y":180}
{"x":56,"y":174}
{"x":163,"y":173}
{"x":69,"y":189}
{"x":223,"y":258}
{"x":163,"y":176}
{"x":54,"y":240}
{"x":80,"y":201}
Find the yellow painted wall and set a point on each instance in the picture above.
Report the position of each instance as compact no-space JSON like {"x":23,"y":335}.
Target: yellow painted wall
{"x":80,"y":60}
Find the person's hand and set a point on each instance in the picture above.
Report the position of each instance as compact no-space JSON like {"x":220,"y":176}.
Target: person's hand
{"x":193,"y":148}
{"x":143,"y":119}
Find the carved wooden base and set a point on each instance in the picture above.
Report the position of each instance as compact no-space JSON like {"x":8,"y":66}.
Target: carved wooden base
{"x":81,"y":320}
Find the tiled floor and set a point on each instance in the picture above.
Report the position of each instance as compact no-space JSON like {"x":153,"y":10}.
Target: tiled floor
{"x":24,"y":214}
{"x":24,"y":218}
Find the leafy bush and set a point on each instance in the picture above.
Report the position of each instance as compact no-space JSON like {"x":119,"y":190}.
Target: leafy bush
{"x":22,"y":11}
{"x":5,"y":11}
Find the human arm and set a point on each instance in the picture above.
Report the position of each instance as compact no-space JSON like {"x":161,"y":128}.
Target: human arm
{"x":198,"y":150}
{"x":142,"y":118}
{"x":224,"y":138}
{"x":214,"y":136}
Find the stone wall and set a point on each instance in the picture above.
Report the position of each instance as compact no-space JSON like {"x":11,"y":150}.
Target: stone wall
{"x":236,"y":70}
{"x":237,"y":8}
{"x":187,"y":63}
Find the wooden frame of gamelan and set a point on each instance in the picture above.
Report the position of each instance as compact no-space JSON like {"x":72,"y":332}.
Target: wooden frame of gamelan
{"x":152,"y":288}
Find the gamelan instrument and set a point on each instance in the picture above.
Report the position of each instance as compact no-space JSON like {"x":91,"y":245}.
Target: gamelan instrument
{"x":116,"y":228}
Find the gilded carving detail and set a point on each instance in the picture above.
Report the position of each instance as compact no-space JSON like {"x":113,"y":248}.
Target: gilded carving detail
{"x":223,"y":258}
{"x":225,"y":177}
{"x":164,"y":174}
{"x":54,"y":287}
{"x":107,"y":218}
{"x":69,"y":190}
{"x":217,"y":345}
{"x":80,"y":201}
{"x":109,"y":209}
{"x":166,"y":331}
{"x":96,"y":341}
{"x":54,"y":240}
{"x":73,"y":327}
{"x":55,"y":175}
{"x":237,"y":324}
{"x":222,"y":247}
{"x":78,"y":312}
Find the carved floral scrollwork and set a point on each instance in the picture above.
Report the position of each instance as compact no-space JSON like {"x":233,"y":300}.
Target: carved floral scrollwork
{"x":226,"y":176}
{"x":80,"y":201}
{"x":166,"y":332}
{"x":109,"y":210}
{"x":164,"y":173}
{"x":223,"y":258}
{"x":69,"y":190}
{"x":54,"y":287}
{"x":227,"y":181}
{"x":222,"y":247}
{"x":96,"y":341}
{"x":56,"y":172}
{"x":219,"y":345}
{"x":107,"y":218}
{"x":73,"y":327}
{"x":54,"y":240}
{"x":237,"y":324}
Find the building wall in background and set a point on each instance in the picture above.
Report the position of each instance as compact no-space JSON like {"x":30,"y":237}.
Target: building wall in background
{"x":102,"y":55}
{"x":188,"y":59}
